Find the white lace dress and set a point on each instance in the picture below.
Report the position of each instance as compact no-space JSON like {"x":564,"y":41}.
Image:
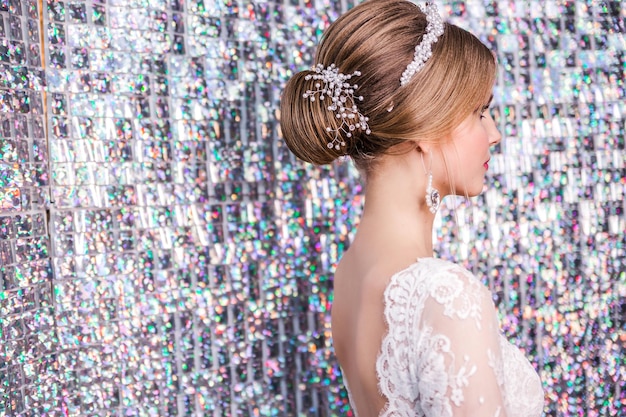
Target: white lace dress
{"x":444,"y":354}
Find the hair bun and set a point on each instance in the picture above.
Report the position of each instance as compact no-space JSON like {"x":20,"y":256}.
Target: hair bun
{"x":310,"y":130}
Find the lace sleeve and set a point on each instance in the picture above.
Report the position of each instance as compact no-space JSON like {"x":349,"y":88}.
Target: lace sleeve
{"x":459,"y":358}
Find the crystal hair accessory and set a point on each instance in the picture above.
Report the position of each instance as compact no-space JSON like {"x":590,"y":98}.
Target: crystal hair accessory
{"x":423,"y":50}
{"x":341,"y":93}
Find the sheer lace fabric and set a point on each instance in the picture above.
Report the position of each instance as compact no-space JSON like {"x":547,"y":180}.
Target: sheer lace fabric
{"x":443,"y":354}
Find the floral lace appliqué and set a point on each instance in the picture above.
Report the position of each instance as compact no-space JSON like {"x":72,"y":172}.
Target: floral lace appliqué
{"x":422,"y":371}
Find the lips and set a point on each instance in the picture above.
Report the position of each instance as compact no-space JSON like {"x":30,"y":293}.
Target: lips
{"x":486,"y":164}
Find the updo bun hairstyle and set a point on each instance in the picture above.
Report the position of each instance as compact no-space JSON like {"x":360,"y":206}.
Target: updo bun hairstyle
{"x":378,"y":39}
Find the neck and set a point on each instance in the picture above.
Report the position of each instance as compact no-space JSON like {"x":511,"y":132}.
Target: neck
{"x":395,"y":210}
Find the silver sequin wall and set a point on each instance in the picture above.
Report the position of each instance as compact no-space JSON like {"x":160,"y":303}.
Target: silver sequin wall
{"x":162,"y":253}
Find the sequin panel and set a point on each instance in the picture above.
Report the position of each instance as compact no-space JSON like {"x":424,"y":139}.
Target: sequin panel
{"x":27,"y":337}
{"x":162,"y":252}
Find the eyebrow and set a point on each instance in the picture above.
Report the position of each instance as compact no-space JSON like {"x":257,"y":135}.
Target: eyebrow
{"x":486,"y":106}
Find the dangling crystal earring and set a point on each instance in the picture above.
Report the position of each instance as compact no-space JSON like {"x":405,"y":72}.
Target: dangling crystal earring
{"x":433,"y":198}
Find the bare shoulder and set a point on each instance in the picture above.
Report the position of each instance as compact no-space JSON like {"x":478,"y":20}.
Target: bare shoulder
{"x":366,"y":276}
{"x":353,"y":281}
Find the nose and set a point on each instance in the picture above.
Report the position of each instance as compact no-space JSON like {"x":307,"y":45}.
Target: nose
{"x":494,"y":134}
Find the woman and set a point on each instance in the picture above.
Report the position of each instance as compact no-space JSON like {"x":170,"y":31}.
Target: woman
{"x":406,"y":97}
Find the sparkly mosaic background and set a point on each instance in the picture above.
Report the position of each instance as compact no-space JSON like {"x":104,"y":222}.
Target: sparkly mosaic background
{"x":161,"y":252}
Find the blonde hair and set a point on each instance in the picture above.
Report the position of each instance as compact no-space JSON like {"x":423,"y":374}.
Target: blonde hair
{"x":378,"y":38}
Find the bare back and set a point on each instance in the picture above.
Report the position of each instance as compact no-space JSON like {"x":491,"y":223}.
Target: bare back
{"x":358,"y":324}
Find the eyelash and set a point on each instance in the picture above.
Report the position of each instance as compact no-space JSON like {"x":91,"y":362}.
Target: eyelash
{"x":482,"y":111}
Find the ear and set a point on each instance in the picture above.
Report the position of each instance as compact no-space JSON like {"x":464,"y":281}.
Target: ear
{"x":424,"y":148}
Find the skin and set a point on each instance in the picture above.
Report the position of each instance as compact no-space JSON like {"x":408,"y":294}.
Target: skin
{"x":396,"y":229}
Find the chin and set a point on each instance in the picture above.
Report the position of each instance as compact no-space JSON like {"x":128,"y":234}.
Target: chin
{"x":469,"y":189}
{"x":475,"y":191}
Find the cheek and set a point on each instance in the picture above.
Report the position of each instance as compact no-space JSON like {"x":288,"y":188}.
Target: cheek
{"x":481,"y":137}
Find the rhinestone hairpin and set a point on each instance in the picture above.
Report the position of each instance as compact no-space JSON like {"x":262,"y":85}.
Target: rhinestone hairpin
{"x":335,"y":86}
{"x":423,"y":51}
